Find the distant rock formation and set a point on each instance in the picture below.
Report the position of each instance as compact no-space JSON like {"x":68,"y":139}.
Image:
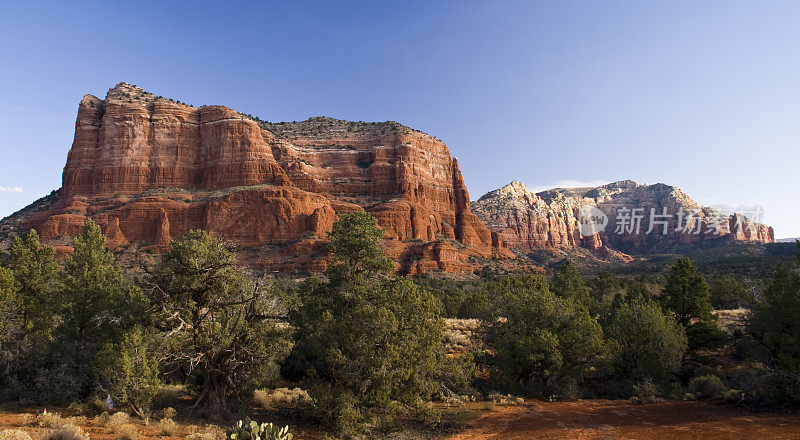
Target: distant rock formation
{"x":551,"y":219}
{"x":148,"y":169}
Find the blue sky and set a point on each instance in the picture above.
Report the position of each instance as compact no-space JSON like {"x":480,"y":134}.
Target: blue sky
{"x":702,"y":95}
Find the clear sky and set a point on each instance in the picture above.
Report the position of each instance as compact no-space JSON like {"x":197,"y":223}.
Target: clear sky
{"x":704,"y":95}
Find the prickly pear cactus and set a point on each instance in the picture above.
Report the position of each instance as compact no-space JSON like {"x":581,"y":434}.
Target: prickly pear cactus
{"x":250,"y":430}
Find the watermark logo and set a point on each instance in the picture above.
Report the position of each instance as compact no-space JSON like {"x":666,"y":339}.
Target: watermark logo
{"x":716,"y":220}
{"x":591,"y":220}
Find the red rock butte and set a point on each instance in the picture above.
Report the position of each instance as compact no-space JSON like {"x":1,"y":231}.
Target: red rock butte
{"x":148,"y":169}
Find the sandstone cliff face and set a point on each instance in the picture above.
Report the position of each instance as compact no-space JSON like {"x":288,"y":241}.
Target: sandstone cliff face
{"x":148,"y":169}
{"x":550,"y":219}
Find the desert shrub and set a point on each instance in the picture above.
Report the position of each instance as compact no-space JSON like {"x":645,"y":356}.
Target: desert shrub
{"x":367,"y":341}
{"x":675,"y":391}
{"x":117,"y":420}
{"x":127,"y":431}
{"x":49,"y":420}
{"x":167,"y":426}
{"x":28,"y":419}
{"x":207,"y":435}
{"x":731,"y":396}
{"x":102,"y":419}
{"x":14,"y":434}
{"x":456,"y":341}
{"x":67,"y":432}
{"x":457,"y":373}
{"x":540,"y":340}
{"x":646,"y":343}
{"x":729,"y":293}
{"x":707,"y":386}
{"x":285,"y":397}
{"x":130,"y":369}
{"x":646,"y":392}
{"x":775,"y":335}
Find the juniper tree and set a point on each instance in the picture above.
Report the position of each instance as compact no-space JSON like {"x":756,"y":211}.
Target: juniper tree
{"x":220,"y":325}
{"x":542,"y":343}
{"x":367,"y":341}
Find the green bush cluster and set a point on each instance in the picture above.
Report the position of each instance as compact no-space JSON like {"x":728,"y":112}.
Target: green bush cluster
{"x":90,"y":329}
{"x":368,"y":345}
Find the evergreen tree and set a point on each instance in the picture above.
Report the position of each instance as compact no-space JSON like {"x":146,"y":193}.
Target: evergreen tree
{"x":686,"y":294}
{"x":35,"y":274}
{"x":220,"y":325}
{"x":776,"y":326}
{"x":648,"y":344}
{"x":542,"y":343}
{"x":29,"y":305}
{"x":367,"y":341}
{"x":97,"y":303}
{"x":11,"y":326}
{"x":568,"y":283}
{"x":357,"y":248}
{"x":97,"y":298}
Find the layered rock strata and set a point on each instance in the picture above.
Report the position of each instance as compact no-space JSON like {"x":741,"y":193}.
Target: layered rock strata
{"x":148,"y":169}
{"x":552,"y":219}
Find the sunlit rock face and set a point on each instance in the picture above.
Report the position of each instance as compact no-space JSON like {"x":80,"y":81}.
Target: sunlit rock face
{"x":148,"y":169}
{"x":551,"y":219}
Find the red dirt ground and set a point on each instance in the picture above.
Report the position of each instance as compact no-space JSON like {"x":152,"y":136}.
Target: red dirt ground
{"x":608,"y":419}
{"x":582,"y":420}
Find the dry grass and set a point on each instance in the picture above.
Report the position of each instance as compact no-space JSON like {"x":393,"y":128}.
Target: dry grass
{"x":28,"y":419}
{"x":210,"y":434}
{"x":459,"y":335}
{"x":67,"y":431}
{"x":102,"y":419}
{"x":167,"y":426}
{"x":462,"y":324}
{"x":14,"y":434}
{"x":126,"y":432}
{"x":732,"y":320}
{"x":118,"y":419}
{"x":281,"y":397}
{"x":169,"y":412}
{"x":49,"y":420}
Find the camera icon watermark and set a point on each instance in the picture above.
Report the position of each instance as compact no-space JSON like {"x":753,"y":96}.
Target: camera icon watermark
{"x":591,"y":220}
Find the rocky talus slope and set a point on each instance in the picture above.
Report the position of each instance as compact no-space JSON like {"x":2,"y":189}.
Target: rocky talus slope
{"x":148,"y":169}
{"x":551,"y":219}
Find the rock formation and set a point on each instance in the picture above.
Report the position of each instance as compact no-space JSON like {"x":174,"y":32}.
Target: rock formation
{"x":551,"y":219}
{"x":148,"y":169}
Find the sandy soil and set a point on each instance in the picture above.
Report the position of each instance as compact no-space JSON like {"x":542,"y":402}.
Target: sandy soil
{"x":583,"y":420}
{"x":606,"y":419}
{"x":24,"y":421}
